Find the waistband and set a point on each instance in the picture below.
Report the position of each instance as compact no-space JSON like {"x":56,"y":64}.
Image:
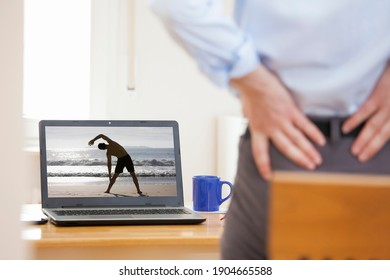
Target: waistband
{"x":330,"y":127}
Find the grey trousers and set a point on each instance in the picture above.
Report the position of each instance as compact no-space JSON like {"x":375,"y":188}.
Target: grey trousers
{"x":245,"y":233}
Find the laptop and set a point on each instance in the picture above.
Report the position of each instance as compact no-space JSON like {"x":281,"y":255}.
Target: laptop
{"x":101,"y":172}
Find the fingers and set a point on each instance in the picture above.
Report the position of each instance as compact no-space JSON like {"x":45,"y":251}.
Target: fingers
{"x":299,"y":150}
{"x":260,"y":151}
{"x":376,"y":112}
{"x":292,"y":142}
{"x":367,"y":109}
{"x":373,"y":148}
{"x":373,"y":137}
{"x":297,"y":138}
{"x":297,"y":146}
{"x":312,"y":131}
{"x":292,"y":151}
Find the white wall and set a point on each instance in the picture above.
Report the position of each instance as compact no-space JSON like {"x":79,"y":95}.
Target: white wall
{"x":12,"y":166}
{"x":170,"y":86}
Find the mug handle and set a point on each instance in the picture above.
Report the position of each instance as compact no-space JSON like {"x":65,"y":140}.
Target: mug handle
{"x":230,"y":193}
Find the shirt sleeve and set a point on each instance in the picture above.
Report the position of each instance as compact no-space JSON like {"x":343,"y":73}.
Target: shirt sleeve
{"x":222,"y":50}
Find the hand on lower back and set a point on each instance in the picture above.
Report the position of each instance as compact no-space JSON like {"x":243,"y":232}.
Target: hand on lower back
{"x":273,"y":115}
{"x":376,"y":112}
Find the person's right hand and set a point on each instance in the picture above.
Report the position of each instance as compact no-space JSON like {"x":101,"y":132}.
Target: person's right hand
{"x":273,"y":115}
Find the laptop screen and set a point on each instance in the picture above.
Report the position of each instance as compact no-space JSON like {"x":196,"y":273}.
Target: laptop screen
{"x":110,"y":159}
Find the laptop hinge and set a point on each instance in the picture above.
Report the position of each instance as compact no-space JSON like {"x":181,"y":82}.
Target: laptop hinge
{"x":113,"y":206}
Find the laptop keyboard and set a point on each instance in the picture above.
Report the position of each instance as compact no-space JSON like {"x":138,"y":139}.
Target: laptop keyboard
{"x":104,"y":212}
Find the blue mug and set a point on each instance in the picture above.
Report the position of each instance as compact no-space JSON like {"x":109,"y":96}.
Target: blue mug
{"x":207,"y":193}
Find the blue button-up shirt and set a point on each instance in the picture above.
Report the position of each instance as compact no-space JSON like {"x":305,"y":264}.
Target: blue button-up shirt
{"x":328,"y":53}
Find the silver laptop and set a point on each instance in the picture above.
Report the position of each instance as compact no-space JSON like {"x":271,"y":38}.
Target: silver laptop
{"x":112,"y":173}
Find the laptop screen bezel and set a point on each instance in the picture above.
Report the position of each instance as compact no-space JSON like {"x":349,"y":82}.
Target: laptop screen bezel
{"x":158,"y":201}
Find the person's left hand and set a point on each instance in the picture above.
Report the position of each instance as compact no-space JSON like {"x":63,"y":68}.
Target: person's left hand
{"x":376,"y":111}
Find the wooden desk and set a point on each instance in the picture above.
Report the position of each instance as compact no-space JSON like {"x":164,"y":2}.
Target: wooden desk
{"x":127,"y":242}
{"x":329,"y":216}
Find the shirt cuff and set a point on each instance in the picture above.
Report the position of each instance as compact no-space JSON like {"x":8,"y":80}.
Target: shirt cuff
{"x":246,"y":60}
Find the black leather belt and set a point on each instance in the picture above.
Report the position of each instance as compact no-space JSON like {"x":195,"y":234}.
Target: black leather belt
{"x":331,"y":127}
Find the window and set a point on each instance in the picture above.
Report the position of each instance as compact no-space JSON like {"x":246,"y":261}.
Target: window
{"x":57,"y":35}
{"x":77,"y":53}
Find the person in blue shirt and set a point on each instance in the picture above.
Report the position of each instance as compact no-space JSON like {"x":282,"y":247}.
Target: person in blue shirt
{"x":314,"y":82}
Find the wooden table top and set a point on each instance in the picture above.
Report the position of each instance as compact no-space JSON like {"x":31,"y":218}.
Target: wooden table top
{"x":51,"y":236}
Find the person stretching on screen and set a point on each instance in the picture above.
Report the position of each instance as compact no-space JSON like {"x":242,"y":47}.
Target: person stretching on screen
{"x":124,"y":160}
